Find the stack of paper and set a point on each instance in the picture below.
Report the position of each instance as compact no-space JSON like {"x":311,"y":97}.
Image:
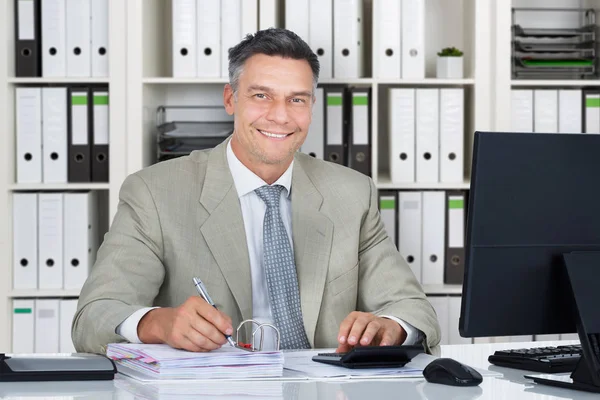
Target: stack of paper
{"x":160,"y":361}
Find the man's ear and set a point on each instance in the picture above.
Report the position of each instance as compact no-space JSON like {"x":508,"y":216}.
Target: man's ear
{"x":228,"y":99}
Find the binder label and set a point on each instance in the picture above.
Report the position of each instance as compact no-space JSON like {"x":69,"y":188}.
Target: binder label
{"x":79,"y":119}
{"x":26,"y":20}
{"x":23,"y":311}
{"x":387,"y":204}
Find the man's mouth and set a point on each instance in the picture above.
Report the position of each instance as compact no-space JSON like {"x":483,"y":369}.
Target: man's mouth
{"x":275,"y":135}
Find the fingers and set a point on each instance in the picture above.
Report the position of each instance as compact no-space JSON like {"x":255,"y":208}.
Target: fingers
{"x":359,"y":326}
{"x":218,"y":319}
{"x":388,"y":338}
{"x":373,"y":327}
{"x":345,"y":327}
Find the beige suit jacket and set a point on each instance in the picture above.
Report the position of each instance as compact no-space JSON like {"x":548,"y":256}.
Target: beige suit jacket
{"x":182,"y":218}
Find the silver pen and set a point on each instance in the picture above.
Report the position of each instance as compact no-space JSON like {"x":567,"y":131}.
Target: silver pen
{"x":204,"y":293}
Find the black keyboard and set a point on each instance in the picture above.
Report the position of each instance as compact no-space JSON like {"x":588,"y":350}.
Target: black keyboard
{"x":540,"y":359}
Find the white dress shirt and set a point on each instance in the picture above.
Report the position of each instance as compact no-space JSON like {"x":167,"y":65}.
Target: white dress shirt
{"x":253,"y":212}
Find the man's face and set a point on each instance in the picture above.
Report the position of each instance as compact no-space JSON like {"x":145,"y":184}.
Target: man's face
{"x":272,"y":109}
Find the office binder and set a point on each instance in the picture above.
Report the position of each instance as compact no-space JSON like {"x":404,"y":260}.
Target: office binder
{"x":50,"y":242}
{"x":297,"y":18}
{"x":249,"y":17}
{"x":208,"y":19}
{"x":184,"y":38}
{"x":46,"y":325}
{"x":402,"y":130}
{"x":570,"y":111}
{"x":78,"y":124}
{"x":314,"y":143}
{"x":335,"y":132}
{"x":100,"y":134}
{"x":321,"y":35}
{"x":545,"y":111}
{"x":433,"y":239}
{"x":79,"y":56}
{"x":521,"y":110}
{"x":410,"y":230}
{"x":54,"y":134}
{"x":388,"y":47}
{"x":67,"y":310}
{"x":56,"y":367}
{"x":80,"y":231}
{"x":389,"y":213}
{"x":592,"y":112}
{"x":268,"y":13}
{"x":54,"y":38}
{"x":99,"y":41}
{"x":28,"y":42}
{"x":455,"y":237}
{"x":452,"y":130}
{"x":413,"y":39}
{"x":231,"y":30}
{"x":359,"y":147}
{"x":25,"y":240}
{"x":29,"y":134}
{"x":427,"y":135}
{"x":347,"y":38}
{"x":23,"y":326}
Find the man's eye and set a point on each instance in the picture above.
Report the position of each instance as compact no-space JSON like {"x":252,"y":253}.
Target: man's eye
{"x":298,"y":100}
{"x":260,"y":95}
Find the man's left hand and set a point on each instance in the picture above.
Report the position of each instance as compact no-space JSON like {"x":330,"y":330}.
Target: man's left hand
{"x":365,"y":329}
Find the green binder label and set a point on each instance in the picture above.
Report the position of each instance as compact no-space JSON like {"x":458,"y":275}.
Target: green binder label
{"x":334,"y":100}
{"x":592,"y":102}
{"x":80,"y":100}
{"x":23,"y":311}
{"x":101,"y":100}
{"x":454,"y":204}
{"x":387,"y":204}
{"x":360,"y":100}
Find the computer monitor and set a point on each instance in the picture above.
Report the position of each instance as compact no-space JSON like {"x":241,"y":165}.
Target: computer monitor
{"x":533,"y":198}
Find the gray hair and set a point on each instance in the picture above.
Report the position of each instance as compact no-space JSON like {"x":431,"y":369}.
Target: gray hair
{"x":271,"y":42}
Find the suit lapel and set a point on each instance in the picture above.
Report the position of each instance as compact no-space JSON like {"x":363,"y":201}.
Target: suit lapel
{"x":224,"y":231}
{"x":313,"y":234}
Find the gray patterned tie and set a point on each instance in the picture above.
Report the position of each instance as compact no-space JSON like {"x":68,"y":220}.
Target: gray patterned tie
{"x":280,"y":271}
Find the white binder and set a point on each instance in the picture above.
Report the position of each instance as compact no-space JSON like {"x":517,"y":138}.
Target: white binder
{"x":50,"y":242}
{"x":569,"y":111}
{"x":592,"y":113}
{"x":54,"y":134}
{"x":347,"y":38}
{"x":80,"y":237}
{"x":427,"y":135}
{"x":25,"y":243}
{"x":183,"y":19}
{"x":434,"y":235}
{"x":267,"y":14}
{"x":402,"y":135}
{"x":451,"y":135}
{"x":54,"y":38}
{"x":231,"y":30}
{"x":387,"y":209}
{"x":79,"y":58}
{"x":413,"y":39}
{"x":442,"y":309}
{"x":29,"y":134}
{"x":545,"y":111}
{"x":249,"y":10}
{"x":100,"y":38}
{"x":208,"y":41}
{"x":23,"y":326}
{"x":521,"y":110}
{"x":388,"y":46}
{"x":47,"y":325}
{"x":314,"y":143}
{"x":297,"y":18}
{"x":67,"y":310}
{"x":409,"y":230}
{"x":454,"y":317}
{"x":321,"y":35}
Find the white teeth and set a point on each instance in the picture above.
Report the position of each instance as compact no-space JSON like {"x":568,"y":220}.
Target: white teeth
{"x":273,"y":135}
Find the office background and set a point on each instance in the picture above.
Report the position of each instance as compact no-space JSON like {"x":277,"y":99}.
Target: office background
{"x":144,"y":54}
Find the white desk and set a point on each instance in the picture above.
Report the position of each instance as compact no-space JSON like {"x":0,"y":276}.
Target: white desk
{"x":511,"y":386}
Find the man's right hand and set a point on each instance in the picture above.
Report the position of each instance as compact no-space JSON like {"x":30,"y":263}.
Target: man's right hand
{"x":195,"y":326}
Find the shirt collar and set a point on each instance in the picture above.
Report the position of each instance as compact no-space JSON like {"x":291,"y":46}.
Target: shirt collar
{"x":246,"y":181}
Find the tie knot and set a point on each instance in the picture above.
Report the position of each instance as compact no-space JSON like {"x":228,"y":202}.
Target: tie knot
{"x":270,"y":194}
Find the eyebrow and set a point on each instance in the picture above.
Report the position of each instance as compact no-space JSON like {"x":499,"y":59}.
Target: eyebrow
{"x":267,"y":89}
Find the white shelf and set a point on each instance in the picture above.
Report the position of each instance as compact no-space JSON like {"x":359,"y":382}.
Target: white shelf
{"x":184,"y":81}
{"x":59,"y":186}
{"x":558,"y":82}
{"x":384,"y":182}
{"x":58,"y":80}
{"x":426,"y":81}
{"x":33,"y":293}
{"x":442,"y":289}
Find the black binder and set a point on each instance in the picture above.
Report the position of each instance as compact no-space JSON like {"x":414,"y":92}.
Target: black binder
{"x":28,"y":42}
{"x":79,"y":137}
{"x":51,"y":367}
{"x":100,"y":147}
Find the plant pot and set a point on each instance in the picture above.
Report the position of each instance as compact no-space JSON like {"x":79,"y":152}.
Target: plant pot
{"x":449,"y":67}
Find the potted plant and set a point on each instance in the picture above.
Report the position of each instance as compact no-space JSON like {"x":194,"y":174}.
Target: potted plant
{"x":450,"y":63}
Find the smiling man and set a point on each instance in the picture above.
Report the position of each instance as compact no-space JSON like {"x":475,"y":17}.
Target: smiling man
{"x":274,"y":234}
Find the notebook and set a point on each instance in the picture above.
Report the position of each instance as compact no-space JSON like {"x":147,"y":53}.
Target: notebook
{"x":160,"y":361}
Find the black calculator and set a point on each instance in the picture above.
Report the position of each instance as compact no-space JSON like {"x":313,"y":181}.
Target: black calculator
{"x":371,"y":357}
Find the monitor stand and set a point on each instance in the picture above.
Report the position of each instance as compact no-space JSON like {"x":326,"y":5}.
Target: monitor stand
{"x":583,"y":270}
